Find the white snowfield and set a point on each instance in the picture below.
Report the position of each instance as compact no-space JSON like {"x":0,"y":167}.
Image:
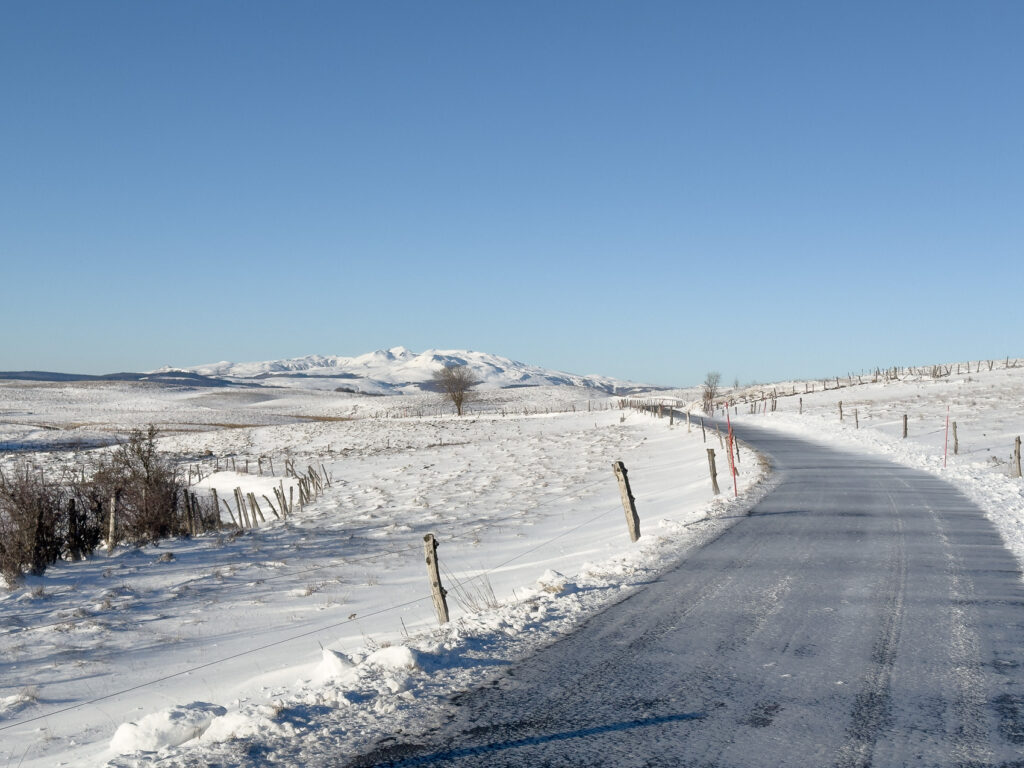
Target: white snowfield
{"x":226,"y":649}
{"x":208,"y":644}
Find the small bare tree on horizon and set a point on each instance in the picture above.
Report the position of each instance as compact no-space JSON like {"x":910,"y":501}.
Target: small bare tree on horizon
{"x":455,"y":383}
{"x":710,"y":392}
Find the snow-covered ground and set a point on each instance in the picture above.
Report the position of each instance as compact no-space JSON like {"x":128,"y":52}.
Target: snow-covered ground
{"x":239,"y":649}
{"x":226,"y":645}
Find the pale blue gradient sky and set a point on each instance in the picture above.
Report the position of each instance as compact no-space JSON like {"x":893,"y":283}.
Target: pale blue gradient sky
{"x":643,"y":190}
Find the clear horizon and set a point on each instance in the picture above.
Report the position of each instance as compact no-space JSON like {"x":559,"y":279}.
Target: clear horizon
{"x":648,"y":192}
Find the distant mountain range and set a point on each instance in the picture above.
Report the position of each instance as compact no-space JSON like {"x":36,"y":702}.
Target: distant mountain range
{"x":386,"y":371}
{"x":170,"y":377}
{"x":399,"y":370}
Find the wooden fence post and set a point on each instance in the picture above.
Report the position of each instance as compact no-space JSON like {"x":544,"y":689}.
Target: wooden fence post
{"x":1016,"y":456}
{"x":840,"y":410}
{"x":111,"y":529}
{"x":714,"y":471}
{"x":628,"y":502}
{"x":702,"y":430}
{"x":434,"y":574}
{"x":956,"y":441}
{"x":801,"y":406}
{"x":74,"y":537}
{"x":856,"y":419}
{"x":904,"y":426}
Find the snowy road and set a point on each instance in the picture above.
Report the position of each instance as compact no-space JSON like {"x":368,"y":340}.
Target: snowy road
{"x":863,"y":614}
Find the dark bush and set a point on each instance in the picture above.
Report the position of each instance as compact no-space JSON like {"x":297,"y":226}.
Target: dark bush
{"x":42,"y":521}
{"x":148,"y":489}
{"x":33,"y":522}
{"x":86,"y":517}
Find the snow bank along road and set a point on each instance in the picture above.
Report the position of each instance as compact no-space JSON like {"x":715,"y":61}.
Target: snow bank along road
{"x":864,"y":614}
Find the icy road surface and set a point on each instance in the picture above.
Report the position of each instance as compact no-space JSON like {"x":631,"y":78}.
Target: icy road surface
{"x":864,"y":614}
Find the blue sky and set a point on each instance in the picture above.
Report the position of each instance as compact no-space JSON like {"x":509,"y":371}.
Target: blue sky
{"x":643,"y":190}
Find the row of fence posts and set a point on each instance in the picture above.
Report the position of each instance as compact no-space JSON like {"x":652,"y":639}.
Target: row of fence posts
{"x":310,"y":485}
{"x":195,"y":471}
{"x":1015,"y":464}
{"x":430,"y":543}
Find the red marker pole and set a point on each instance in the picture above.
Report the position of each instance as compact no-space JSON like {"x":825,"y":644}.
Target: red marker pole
{"x":945,"y":451}
{"x":732,"y":461}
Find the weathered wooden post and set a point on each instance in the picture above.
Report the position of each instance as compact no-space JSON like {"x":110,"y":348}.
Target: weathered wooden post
{"x":840,"y":410}
{"x":74,"y":536}
{"x":904,"y":426}
{"x":628,"y":502}
{"x":703,"y":431}
{"x":434,"y":574}
{"x":956,"y":441}
{"x":112,"y":529}
{"x":187,"y":502}
{"x":230,"y":513}
{"x":714,"y":471}
{"x":801,"y":406}
{"x":671,"y":417}
{"x":1016,"y":456}
{"x":856,"y":418}
{"x":216,"y":506}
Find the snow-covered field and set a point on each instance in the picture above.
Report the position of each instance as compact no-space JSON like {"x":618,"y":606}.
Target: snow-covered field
{"x":225,"y":646}
{"x":317,"y":636}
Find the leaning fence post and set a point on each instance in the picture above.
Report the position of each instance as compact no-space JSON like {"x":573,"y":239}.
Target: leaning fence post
{"x":628,"y":502}
{"x":1016,"y":455}
{"x":714,"y":471}
{"x":956,"y":441}
{"x":434,"y":574}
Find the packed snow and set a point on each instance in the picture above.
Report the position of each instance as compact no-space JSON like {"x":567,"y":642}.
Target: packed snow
{"x":224,"y":647}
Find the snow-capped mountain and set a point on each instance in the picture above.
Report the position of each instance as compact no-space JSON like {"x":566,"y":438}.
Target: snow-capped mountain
{"x":401,"y":371}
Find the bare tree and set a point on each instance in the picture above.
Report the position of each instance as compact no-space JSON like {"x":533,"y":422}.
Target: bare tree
{"x":711,"y":382}
{"x":455,"y":382}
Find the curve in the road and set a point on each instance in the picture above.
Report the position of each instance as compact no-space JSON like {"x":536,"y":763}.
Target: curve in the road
{"x":863,"y":614}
